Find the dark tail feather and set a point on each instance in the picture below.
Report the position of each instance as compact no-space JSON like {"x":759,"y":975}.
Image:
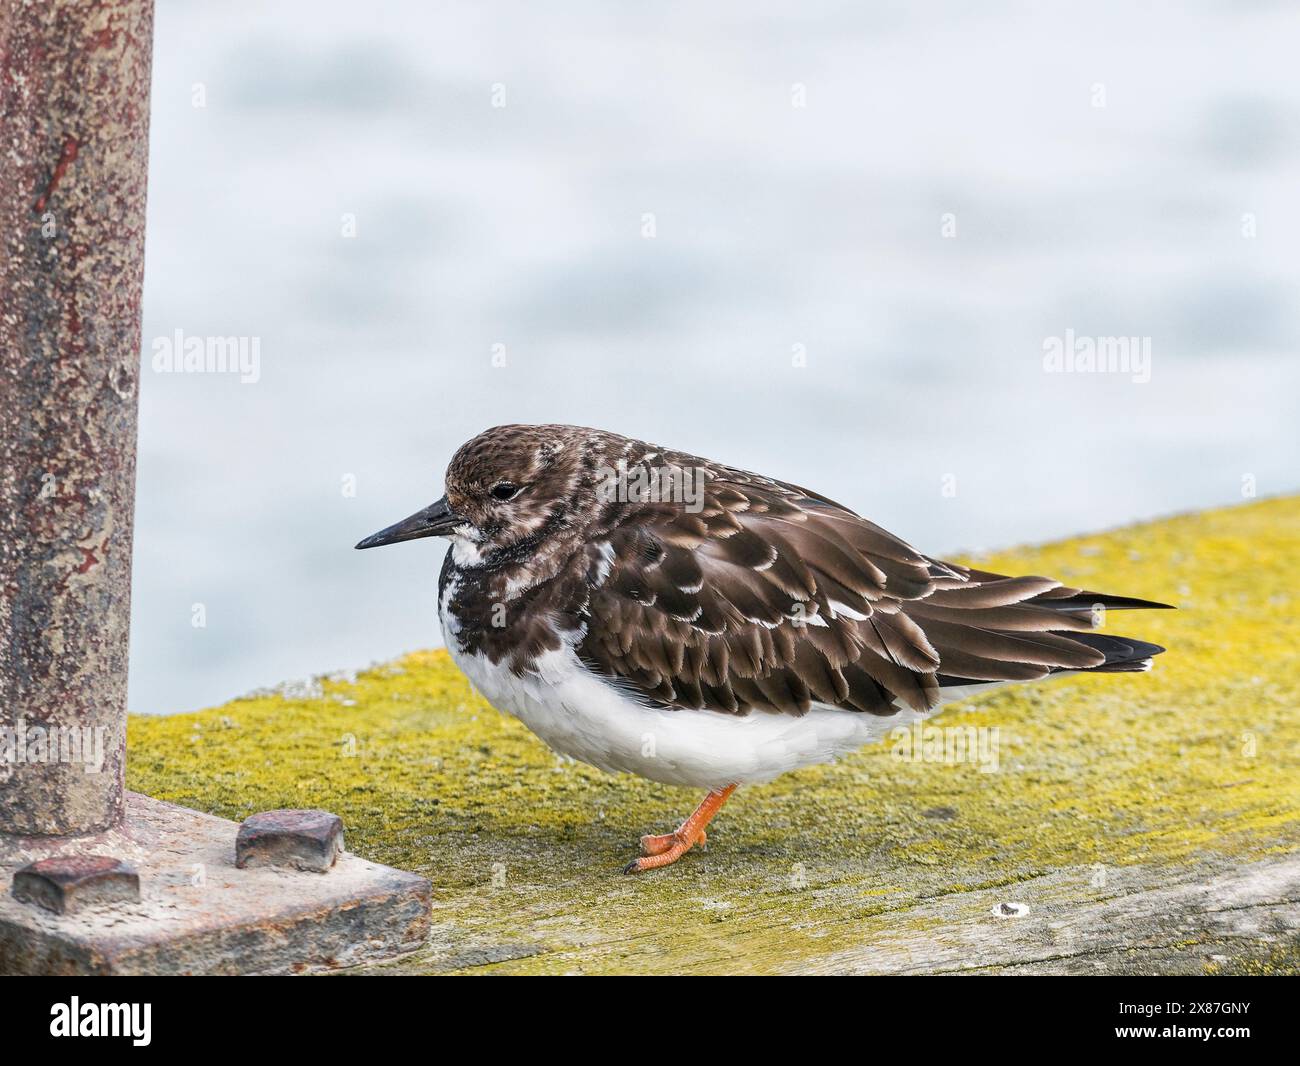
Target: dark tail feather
{"x":1086,"y":601}
{"x":1123,"y":654}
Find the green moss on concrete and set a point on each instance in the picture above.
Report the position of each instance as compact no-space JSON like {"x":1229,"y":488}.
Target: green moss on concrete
{"x":1194,"y":763}
{"x":1264,"y":960}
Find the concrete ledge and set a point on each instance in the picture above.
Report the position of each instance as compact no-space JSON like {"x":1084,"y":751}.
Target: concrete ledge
{"x":1141,"y":823}
{"x":199,"y":914}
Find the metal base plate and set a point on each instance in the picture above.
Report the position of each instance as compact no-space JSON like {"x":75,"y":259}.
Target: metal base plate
{"x":199,"y":914}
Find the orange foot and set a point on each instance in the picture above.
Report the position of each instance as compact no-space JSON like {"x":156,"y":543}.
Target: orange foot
{"x":657,"y":845}
{"x":664,"y":850}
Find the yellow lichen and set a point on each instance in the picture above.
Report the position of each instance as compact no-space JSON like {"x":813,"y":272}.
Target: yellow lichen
{"x":1195,"y":762}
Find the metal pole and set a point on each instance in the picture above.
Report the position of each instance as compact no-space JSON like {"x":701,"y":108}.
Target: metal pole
{"x":285,"y":895}
{"x":74,"y":94}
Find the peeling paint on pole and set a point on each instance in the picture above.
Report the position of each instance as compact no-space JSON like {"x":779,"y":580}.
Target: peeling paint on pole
{"x":74,"y":94}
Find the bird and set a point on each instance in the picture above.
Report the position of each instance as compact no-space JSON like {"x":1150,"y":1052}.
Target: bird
{"x":648,"y":611}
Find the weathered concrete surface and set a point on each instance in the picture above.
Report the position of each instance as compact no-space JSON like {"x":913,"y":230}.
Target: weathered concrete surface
{"x":1149,"y":823}
{"x":1062,"y":923}
{"x":74,"y":96}
{"x":199,"y":914}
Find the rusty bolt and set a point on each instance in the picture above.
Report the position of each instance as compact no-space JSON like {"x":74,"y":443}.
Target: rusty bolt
{"x":66,"y":883}
{"x":303,"y":840}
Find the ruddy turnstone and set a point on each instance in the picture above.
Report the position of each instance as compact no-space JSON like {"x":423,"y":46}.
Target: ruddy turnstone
{"x":645,"y":610}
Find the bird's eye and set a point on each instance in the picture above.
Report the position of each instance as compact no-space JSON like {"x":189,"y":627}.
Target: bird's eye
{"x":505,"y":490}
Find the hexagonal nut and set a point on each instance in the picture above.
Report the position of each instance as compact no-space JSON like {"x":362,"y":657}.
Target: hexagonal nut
{"x":67,"y":883}
{"x":301,"y":840}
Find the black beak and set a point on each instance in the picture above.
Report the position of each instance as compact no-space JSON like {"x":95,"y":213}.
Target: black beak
{"x":434,"y":520}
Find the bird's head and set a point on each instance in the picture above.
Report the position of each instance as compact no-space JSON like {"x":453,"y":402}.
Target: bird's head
{"x":514,"y":491}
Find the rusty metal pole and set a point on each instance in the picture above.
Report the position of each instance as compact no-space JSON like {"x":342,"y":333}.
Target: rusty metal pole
{"x":93,"y":879}
{"x":75,"y":105}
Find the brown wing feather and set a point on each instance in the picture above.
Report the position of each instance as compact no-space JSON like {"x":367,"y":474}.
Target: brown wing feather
{"x":771,"y":598}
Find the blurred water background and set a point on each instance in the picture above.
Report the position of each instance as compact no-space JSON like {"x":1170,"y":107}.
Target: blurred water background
{"x":908,"y":199}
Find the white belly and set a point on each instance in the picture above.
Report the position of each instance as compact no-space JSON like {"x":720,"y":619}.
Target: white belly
{"x":579,"y":715}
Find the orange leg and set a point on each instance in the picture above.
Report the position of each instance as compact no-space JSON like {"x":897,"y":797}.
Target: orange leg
{"x":667,"y":849}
